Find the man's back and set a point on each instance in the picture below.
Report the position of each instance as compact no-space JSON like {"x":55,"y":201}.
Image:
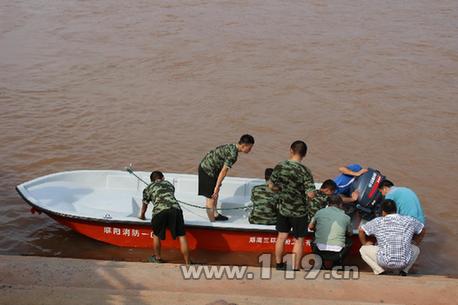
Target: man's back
{"x":332,"y":224}
{"x":162,"y":194}
{"x":344,"y":181}
{"x":407,"y":202}
{"x":264,"y":206}
{"x":215,"y":159}
{"x":295,"y":180}
{"x":394,"y":235}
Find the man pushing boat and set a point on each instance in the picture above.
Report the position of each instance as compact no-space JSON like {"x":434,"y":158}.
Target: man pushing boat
{"x":213,"y":169}
{"x":166,"y":214}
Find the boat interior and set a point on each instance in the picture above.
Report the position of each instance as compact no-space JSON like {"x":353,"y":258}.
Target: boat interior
{"x":117,"y":195}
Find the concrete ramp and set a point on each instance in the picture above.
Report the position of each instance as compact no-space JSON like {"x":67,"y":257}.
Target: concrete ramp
{"x":41,"y":280}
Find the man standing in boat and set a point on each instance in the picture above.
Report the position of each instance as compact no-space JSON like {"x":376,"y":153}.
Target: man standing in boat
{"x":213,"y":169}
{"x":294,"y":182}
{"x":166,"y":214}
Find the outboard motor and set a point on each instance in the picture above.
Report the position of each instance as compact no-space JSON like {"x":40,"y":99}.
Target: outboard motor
{"x":369,"y":199}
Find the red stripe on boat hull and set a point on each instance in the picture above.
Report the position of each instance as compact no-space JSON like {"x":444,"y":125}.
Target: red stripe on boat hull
{"x":138,"y":236}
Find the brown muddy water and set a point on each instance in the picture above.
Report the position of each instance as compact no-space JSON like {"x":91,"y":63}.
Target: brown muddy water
{"x":101,"y":84}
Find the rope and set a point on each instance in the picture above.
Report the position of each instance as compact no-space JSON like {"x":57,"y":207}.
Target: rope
{"x":220,"y":209}
{"x":131,"y":171}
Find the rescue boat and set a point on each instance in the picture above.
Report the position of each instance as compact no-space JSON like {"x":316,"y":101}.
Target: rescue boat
{"x":105,"y":204}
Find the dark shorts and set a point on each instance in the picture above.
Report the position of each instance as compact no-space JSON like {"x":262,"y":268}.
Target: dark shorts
{"x":171,"y":219}
{"x":206,"y":183}
{"x":297,"y":224}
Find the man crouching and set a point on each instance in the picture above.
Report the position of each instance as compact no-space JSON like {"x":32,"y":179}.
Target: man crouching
{"x":166,"y":214}
{"x":265,"y":203}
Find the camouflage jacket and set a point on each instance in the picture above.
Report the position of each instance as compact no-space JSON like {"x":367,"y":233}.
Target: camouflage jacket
{"x":214,"y":160}
{"x":318,"y":202}
{"x":265,"y":202}
{"x":295,"y":181}
{"x":161,"y":194}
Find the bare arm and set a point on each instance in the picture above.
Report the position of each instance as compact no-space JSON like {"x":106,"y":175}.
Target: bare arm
{"x":419,"y":237}
{"x":312,"y":226}
{"x":143,"y":210}
{"x":362,"y":237}
{"x":347,"y":200}
{"x":346,"y":171}
{"x":219,"y":181}
{"x":352,"y":199}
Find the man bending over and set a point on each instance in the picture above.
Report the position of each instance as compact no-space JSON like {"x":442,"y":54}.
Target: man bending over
{"x":213,"y":169}
{"x":167,"y":214}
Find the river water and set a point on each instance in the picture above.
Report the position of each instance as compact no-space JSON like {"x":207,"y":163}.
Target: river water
{"x":101,"y":84}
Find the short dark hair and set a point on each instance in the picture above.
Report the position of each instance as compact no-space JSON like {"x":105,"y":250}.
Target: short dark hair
{"x":156,"y":175}
{"x":335,"y":200}
{"x":246,"y":139}
{"x":299,"y":147}
{"x":389,"y":206}
{"x":330,"y":185}
{"x":268,"y":173}
{"x":385,"y":183}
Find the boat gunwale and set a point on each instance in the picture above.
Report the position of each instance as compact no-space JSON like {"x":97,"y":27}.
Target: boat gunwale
{"x":21,"y":189}
{"x":128,"y":222}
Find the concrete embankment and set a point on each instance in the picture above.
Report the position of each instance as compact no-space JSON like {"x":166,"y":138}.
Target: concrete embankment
{"x":44,"y":280}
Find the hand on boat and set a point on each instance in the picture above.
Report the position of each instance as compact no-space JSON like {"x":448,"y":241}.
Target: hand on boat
{"x":362,"y":171}
{"x":142,"y":217}
{"x":354,"y":195}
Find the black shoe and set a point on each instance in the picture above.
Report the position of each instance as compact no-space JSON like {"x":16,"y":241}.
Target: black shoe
{"x":221,"y":218}
{"x":281,"y":266}
{"x":402,"y":273}
{"x":154,"y":259}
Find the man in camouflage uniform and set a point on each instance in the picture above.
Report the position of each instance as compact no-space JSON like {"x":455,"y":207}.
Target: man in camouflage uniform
{"x":294,"y":182}
{"x":166,"y":214}
{"x":213,"y":169}
{"x":321,"y":198}
{"x":265,"y":202}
